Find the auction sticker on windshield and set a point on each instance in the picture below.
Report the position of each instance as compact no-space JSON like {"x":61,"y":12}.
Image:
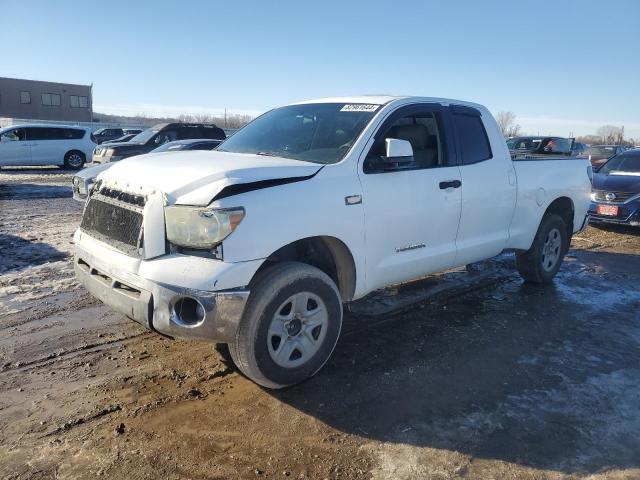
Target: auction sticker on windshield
{"x":359,"y":107}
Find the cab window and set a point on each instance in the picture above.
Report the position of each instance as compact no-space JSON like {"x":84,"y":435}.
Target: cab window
{"x":472,"y":138}
{"x":422,"y":130}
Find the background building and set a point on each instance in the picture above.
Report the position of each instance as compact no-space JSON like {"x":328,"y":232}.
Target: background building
{"x":36,"y":100}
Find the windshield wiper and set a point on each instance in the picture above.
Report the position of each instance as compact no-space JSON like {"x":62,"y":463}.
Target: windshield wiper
{"x":267,"y":154}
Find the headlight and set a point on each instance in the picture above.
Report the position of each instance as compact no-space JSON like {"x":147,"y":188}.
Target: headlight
{"x":198,"y":227}
{"x":593,"y":196}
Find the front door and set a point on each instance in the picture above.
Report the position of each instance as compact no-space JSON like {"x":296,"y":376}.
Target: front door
{"x":412,"y":210}
{"x":14,"y":148}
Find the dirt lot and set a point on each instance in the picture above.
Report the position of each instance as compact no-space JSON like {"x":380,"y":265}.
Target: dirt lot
{"x":493,"y":379}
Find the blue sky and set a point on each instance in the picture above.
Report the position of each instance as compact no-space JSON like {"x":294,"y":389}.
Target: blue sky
{"x":562,"y":66}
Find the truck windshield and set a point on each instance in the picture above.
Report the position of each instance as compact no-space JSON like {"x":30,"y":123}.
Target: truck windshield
{"x":314,"y":132}
{"x":623,"y":164}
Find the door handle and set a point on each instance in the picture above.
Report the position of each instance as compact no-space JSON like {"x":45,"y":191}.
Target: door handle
{"x":450,"y":184}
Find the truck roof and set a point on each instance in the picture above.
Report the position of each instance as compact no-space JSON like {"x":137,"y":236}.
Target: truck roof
{"x":384,"y":99}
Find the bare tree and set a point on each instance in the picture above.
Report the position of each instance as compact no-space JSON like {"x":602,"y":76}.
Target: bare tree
{"x":611,"y":134}
{"x":507,"y":123}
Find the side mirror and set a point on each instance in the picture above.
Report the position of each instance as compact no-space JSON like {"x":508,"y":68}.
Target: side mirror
{"x":398,"y":151}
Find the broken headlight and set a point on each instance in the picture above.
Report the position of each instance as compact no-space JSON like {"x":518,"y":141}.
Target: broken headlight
{"x":198,"y":227}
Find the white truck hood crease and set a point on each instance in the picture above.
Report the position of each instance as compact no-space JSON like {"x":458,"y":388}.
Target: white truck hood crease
{"x":196,"y":177}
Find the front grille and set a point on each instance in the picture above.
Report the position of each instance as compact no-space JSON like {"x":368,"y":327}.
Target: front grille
{"x":115,"y":217}
{"x":618,"y":197}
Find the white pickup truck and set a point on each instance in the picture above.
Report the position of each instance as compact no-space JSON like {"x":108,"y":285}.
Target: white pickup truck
{"x":312,"y":205}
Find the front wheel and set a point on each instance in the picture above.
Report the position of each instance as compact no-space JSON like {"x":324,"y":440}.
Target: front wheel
{"x":542,"y":261}
{"x":290,"y":325}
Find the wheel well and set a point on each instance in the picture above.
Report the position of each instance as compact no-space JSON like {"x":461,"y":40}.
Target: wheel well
{"x":326,"y":253}
{"x":75,"y":151}
{"x":563,"y":206}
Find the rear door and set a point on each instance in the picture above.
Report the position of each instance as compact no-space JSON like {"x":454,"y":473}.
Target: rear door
{"x":47,"y":145}
{"x":412,"y":211}
{"x":14,"y":148}
{"x":488,"y":189}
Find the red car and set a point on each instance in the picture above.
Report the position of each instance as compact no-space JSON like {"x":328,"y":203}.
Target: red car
{"x":599,"y":154}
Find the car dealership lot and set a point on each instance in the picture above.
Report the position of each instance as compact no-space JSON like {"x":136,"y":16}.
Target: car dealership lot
{"x":497,"y":378}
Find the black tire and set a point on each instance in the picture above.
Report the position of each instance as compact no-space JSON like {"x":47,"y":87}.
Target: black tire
{"x":74,"y":160}
{"x":535,"y":265}
{"x":272,"y":287}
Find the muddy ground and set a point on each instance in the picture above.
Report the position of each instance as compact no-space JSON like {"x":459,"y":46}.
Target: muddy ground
{"x":490,"y":379}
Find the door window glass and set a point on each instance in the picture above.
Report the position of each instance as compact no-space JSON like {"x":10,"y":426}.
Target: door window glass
{"x":17,"y":135}
{"x":41,"y":133}
{"x":472,"y":138}
{"x":72,"y":133}
{"x":165,"y":136}
{"x":422,"y":130}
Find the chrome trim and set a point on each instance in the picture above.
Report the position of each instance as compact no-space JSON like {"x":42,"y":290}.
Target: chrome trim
{"x":612,"y":201}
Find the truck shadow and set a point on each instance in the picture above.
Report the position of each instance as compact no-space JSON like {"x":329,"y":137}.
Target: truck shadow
{"x":541,"y":376}
{"x":17,"y":253}
{"x":30,"y":191}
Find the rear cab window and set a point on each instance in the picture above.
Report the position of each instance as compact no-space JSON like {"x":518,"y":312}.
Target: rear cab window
{"x":473,"y":142}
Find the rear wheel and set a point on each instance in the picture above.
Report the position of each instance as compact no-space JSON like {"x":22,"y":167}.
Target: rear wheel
{"x":542,"y":261}
{"x":290,"y":325}
{"x":74,"y":159}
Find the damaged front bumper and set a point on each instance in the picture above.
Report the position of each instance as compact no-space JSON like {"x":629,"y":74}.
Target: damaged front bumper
{"x":170,"y":309}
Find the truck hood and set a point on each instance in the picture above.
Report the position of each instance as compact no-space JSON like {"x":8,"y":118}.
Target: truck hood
{"x":197,"y":177}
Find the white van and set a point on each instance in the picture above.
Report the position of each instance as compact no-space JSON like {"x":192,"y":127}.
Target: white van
{"x":45,"y":145}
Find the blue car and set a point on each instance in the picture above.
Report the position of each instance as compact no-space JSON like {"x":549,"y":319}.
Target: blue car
{"x":615,"y":196}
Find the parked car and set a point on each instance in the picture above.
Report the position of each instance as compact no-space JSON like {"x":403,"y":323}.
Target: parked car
{"x":599,"y":154}
{"x":84,"y":180}
{"x":539,"y":147}
{"x":124,"y":138}
{"x":258,"y":243}
{"x":578,"y":148}
{"x":615,"y":197}
{"x":155,"y":136}
{"x":106,"y":134}
{"x":36,"y":144}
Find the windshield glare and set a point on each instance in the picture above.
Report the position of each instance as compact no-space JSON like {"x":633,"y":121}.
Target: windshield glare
{"x":315,"y":132}
{"x":622,"y":164}
{"x":144,"y":136}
